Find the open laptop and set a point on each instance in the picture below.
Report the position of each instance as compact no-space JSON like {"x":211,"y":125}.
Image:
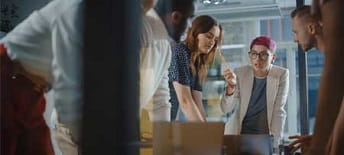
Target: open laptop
{"x":248,"y":144}
{"x":190,"y":138}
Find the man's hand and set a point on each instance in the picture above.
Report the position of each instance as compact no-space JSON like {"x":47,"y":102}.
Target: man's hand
{"x":230,"y":78}
{"x":75,"y":132}
{"x":39,"y":82}
{"x":302,"y":142}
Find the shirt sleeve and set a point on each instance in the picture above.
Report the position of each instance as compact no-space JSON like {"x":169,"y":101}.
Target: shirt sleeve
{"x":197,"y":85}
{"x":67,"y":44}
{"x":179,"y":70}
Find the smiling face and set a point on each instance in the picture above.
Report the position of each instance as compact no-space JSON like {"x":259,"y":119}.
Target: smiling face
{"x":257,"y":55}
{"x":207,"y":41}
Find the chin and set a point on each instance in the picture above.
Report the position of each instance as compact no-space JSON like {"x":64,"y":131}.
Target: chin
{"x":306,"y":48}
{"x":205,"y":51}
{"x":259,"y":68}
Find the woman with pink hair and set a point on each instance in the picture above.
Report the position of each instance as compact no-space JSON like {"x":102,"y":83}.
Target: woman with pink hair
{"x":256,"y":93}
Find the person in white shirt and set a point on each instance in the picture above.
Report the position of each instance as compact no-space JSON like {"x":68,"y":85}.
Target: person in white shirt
{"x":47,"y":44}
{"x":175,"y":14}
{"x":256,"y":93}
{"x":155,"y":57}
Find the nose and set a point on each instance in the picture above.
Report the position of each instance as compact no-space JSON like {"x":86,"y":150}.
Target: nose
{"x":211,"y":42}
{"x":295,"y":39}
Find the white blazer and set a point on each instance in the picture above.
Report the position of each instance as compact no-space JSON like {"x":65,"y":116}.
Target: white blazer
{"x":277,"y":86}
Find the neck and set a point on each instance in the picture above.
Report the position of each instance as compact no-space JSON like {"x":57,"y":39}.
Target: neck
{"x":262,"y":73}
{"x":320,"y":43}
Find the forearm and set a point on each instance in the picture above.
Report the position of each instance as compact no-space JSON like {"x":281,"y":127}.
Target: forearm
{"x":197,"y":96}
{"x":202,"y":111}
{"x":338,"y":134}
{"x":191,"y":112}
{"x":227,"y":103}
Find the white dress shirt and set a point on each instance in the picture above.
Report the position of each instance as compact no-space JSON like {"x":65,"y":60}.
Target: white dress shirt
{"x":47,"y":44}
{"x":155,"y":58}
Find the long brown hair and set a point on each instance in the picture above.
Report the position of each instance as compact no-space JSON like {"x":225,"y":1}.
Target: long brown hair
{"x":200,"y":62}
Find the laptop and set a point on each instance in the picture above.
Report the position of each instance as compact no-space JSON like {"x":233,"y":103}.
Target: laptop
{"x":191,"y":138}
{"x":248,"y":144}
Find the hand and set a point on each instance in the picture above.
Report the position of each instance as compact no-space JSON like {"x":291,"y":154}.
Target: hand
{"x":71,"y":130}
{"x":39,"y":82}
{"x":230,"y":77}
{"x":74,"y":132}
{"x":303,"y":142}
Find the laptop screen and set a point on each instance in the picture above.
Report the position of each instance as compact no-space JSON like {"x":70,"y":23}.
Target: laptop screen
{"x":188,"y":138}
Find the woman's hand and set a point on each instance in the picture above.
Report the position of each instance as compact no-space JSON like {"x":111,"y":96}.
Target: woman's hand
{"x":230,"y":78}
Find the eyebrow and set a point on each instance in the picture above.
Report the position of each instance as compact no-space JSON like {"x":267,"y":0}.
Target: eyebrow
{"x":265,"y":51}
{"x":212,"y":34}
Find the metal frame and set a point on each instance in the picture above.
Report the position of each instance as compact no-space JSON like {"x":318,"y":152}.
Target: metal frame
{"x":303,"y":83}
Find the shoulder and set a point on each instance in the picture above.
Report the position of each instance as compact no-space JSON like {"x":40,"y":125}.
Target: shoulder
{"x":57,"y":9}
{"x":180,"y":49}
{"x":278,"y":71}
{"x":243,"y":69}
{"x":158,"y":27}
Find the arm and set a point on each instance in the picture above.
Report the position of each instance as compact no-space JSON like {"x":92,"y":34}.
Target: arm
{"x":279,"y":114}
{"x":336,"y":142}
{"x":162,"y":106}
{"x":231,"y":95}
{"x":187,"y":103}
{"x":67,"y":66}
{"x":331,"y":88}
{"x":197,"y":96}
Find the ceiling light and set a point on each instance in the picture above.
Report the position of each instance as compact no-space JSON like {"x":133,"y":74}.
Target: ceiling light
{"x":212,"y":2}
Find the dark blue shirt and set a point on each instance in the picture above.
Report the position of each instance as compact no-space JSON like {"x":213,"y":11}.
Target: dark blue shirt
{"x":255,"y":120}
{"x":180,"y":72}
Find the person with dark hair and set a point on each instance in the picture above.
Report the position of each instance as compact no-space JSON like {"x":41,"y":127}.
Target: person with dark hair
{"x":307,"y":29}
{"x":256,"y":93}
{"x":155,"y":58}
{"x":308,"y":34}
{"x":189,"y":67}
{"x":175,"y":15}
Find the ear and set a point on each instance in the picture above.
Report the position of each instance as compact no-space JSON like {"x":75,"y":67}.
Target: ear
{"x":273,"y":58}
{"x":311,"y":28}
{"x":176,"y":16}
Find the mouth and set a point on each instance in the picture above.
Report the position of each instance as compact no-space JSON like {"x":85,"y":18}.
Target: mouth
{"x":258,"y":65}
{"x":208,"y":47}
